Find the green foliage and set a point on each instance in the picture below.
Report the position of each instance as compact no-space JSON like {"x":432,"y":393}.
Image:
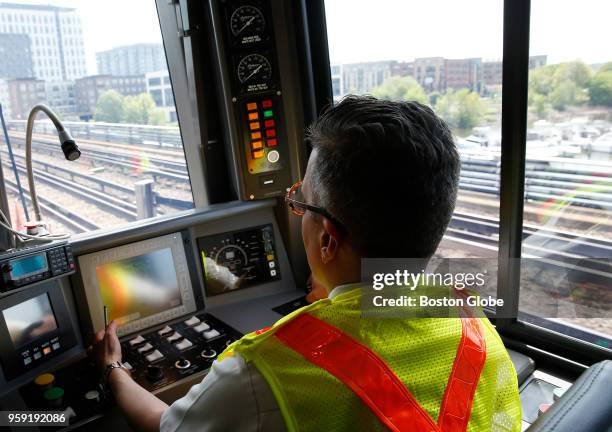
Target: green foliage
{"x":559,"y":86}
{"x":568,"y":93}
{"x":109,"y":107}
{"x":461,"y":109}
{"x":112,"y":107}
{"x":401,"y":89}
{"x":600,"y":87}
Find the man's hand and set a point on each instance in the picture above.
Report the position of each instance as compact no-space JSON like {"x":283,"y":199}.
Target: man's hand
{"x":107,"y":348}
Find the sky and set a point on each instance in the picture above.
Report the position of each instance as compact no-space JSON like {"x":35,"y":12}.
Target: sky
{"x":366,"y":30}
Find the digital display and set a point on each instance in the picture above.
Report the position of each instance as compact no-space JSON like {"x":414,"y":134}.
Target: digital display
{"x":29,"y":320}
{"x":29,"y":265}
{"x":237,"y":260}
{"x":139,"y":286}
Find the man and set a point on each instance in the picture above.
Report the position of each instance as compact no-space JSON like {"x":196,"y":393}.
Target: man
{"x":381,"y":181}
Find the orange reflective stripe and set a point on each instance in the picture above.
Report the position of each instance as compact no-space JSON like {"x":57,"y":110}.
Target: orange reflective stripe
{"x":459,"y":394}
{"x":369,"y":377}
{"x":262,"y":330}
{"x":360,"y":369}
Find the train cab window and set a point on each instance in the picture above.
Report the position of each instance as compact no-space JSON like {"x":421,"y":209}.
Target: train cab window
{"x":105,"y":74}
{"x":400,"y":55}
{"x":568,"y":192}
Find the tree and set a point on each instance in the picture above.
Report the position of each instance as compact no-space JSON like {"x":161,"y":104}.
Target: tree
{"x":109,"y":107}
{"x":141,"y":109}
{"x":600,"y":87}
{"x":568,"y":93}
{"x":461,"y":109}
{"x":399,"y":88}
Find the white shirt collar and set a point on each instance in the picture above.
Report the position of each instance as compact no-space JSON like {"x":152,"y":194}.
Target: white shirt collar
{"x":341,"y":289}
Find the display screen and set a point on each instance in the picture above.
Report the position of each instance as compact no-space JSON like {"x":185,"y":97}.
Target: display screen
{"x":140,"y":286}
{"x":240,"y":259}
{"x":28,"y":320}
{"x":27,"y":266}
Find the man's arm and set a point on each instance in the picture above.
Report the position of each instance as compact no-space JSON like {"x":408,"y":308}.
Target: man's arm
{"x":142,"y":410}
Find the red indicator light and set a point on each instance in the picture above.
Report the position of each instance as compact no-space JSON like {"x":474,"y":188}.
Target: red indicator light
{"x":267,"y":103}
{"x":269,"y":123}
{"x":271,"y":133}
{"x":272,"y":142}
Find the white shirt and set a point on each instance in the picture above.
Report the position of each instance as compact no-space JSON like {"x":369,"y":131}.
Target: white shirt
{"x":234,"y":396}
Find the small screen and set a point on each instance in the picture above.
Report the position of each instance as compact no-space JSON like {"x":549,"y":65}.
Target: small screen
{"x":30,"y":319}
{"x":140,"y":286}
{"x":239,"y":259}
{"x":27,"y":266}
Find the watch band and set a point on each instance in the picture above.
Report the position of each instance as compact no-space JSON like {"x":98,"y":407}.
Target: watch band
{"x":113,"y":365}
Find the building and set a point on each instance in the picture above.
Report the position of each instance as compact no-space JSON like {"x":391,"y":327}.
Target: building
{"x":463,"y":74}
{"x":492,"y":76}
{"x":402,"y":69}
{"x":88,"y":89}
{"x":16,"y":55}
{"x":430,"y":73}
{"x":337,"y":85}
{"x":5,"y":100}
{"x":362,"y":78}
{"x":159,"y":87}
{"x":137,"y":59}
{"x":56,"y":38}
{"x":23,"y":94}
{"x":537,"y":61}
{"x":60,"y":96}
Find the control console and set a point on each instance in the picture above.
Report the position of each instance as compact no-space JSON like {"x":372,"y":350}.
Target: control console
{"x":175,"y":351}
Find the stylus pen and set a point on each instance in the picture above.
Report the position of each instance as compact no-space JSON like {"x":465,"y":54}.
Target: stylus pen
{"x":105,"y":316}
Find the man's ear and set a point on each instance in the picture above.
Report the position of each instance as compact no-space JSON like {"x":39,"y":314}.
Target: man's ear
{"x":329,"y":241}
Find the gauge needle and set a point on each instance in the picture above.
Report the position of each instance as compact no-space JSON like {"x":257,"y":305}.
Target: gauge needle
{"x":253,"y":73}
{"x":248,"y":23}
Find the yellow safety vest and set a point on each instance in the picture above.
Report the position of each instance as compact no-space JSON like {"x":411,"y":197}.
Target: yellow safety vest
{"x":332,"y":370}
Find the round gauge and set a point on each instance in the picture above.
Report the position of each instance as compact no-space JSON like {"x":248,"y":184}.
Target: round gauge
{"x":230,"y":256}
{"x":254,"y":68}
{"x":247,"y":20}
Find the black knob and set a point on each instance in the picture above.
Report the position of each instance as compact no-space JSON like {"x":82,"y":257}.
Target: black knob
{"x":154,"y":373}
{"x":182,"y":363}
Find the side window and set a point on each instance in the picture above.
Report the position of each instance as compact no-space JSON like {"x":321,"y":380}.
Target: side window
{"x":102,"y":73}
{"x":451,"y":61}
{"x":566,"y":282}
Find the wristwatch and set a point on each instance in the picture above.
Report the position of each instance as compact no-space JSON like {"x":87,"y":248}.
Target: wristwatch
{"x":109,"y":367}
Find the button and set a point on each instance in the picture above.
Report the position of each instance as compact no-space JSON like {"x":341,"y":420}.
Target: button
{"x":266,"y":103}
{"x":255,"y":135}
{"x":270,"y":257}
{"x":164,"y":331}
{"x":127,"y":365}
{"x":37,"y":355}
{"x":175,"y":336}
{"x":273,"y":156}
{"x":137,"y":340}
{"x":254,"y":125}
{"x":211,"y":334}
{"x":272,"y":142}
{"x":56,"y":346}
{"x":154,"y":373}
{"x":192,"y":321}
{"x":44,"y":380}
{"x":47,"y":350}
{"x":269,"y":124}
{"x":27,"y":361}
{"x":182,"y":363}
{"x":184,"y":344}
{"x":202,"y":327}
{"x":256,"y":145}
{"x":271,"y":133}
{"x":272,"y":264}
{"x":268,"y":114}
{"x":146,"y":347}
{"x":93,"y":396}
{"x":253,"y":116}
{"x":154,"y":356}
{"x":209,"y":353}
{"x":252,"y":106}
{"x":54,"y":396}
{"x":258,"y":154}
{"x":272,"y":272}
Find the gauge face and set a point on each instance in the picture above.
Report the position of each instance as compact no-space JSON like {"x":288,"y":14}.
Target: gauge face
{"x":247,"y":20}
{"x":232,"y":257}
{"x":254,"y":68}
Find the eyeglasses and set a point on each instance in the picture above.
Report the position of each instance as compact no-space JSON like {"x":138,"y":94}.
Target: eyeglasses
{"x":298,"y":207}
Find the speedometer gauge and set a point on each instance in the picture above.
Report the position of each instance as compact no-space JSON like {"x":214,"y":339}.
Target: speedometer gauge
{"x":247,"y":20}
{"x":254,"y":68}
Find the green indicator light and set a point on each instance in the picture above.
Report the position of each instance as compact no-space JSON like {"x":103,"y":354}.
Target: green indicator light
{"x":268,"y":113}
